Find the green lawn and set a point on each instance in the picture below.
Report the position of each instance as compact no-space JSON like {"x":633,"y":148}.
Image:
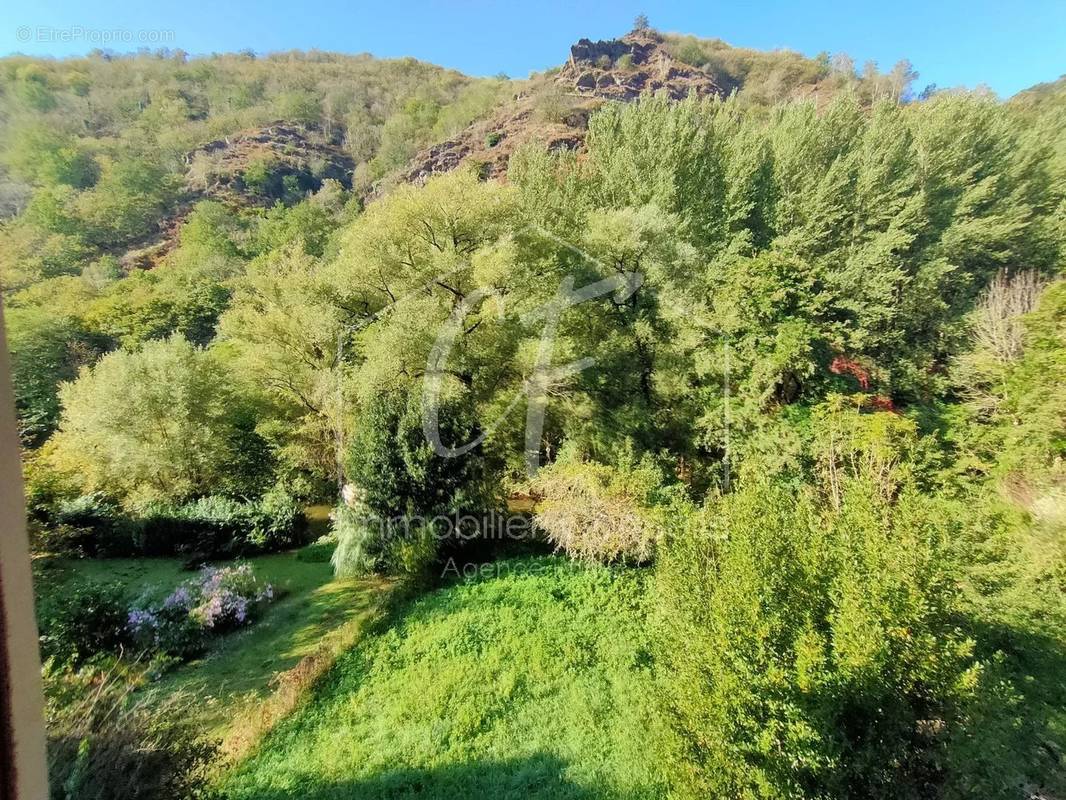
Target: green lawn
{"x":315,"y":611}
{"x":154,"y":577}
{"x":531,"y":683}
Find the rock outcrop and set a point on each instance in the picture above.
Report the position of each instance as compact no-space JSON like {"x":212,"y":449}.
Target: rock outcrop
{"x":489,"y":143}
{"x":298,"y":160}
{"x":303,"y":155}
{"x":623,"y":69}
{"x":596,"y":72}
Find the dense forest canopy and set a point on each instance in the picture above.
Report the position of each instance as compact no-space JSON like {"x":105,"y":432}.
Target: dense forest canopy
{"x":821,"y":389}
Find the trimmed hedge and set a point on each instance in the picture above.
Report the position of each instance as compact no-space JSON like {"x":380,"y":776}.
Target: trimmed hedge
{"x":209,"y":528}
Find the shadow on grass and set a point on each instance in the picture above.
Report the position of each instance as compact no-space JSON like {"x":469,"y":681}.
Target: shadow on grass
{"x":537,"y":776}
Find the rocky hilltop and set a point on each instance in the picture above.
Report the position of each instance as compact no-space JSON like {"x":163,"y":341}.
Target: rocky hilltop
{"x":261,"y":166}
{"x":623,"y":69}
{"x":556,"y":109}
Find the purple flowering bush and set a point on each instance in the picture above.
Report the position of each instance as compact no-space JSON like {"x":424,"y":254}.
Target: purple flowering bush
{"x":221,"y":599}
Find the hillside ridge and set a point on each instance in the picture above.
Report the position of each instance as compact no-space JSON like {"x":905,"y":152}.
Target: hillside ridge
{"x":555,"y":113}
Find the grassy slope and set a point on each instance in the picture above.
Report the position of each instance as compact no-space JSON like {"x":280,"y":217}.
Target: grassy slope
{"x":531,"y":683}
{"x":315,"y":611}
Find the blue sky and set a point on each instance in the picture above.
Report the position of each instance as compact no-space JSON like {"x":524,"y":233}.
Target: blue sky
{"x":1006,"y":45}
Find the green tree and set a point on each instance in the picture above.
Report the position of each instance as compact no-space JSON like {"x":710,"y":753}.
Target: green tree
{"x":127,"y":201}
{"x":286,"y":340}
{"x":154,"y":424}
{"x":46,"y":349}
{"x":44,"y":156}
{"x":807,"y":651}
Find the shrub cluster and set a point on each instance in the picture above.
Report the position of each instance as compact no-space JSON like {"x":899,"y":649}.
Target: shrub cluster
{"x":88,"y":619}
{"x":365,"y":543}
{"x":219,"y":600}
{"x":813,"y":652}
{"x":92,"y":619}
{"x":320,"y":551}
{"x":212,"y":527}
{"x":597,"y":512}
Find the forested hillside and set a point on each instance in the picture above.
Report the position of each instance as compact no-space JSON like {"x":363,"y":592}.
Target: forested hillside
{"x":814,"y":415}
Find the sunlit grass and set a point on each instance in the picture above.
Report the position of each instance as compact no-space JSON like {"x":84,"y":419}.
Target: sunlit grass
{"x":531,"y":683}
{"x":313,"y":609}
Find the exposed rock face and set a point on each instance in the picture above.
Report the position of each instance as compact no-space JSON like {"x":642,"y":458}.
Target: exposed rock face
{"x":489,"y":143}
{"x":619,"y":69}
{"x":298,"y":156}
{"x":216,"y":169}
{"x":638,"y":46}
{"x":149,"y":253}
{"x":622,"y":69}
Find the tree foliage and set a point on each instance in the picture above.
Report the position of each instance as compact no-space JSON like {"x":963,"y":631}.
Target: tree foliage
{"x":819,"y":343}
{"x":814,"y":651}
{"x":155,"y":424}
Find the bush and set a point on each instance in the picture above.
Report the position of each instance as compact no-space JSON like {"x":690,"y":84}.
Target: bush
{"x":812,"y":653}
{"x":90,"y":619}
{"x":319,"y":551}
{"x":360,"y":544}
{"x":209,"y":528}
{"x":220,"y":600}
{"x":169,"y":630}
{"x":596,"y":512}
{"x":220,"y":527}
{"x":414,"y":554}
{"x":551,"y":105}
{"x":259,"y":176}
{"x":107,"y":743}
{"x":493,"y":138}
{"x":90,"y":525}
{"x":366,"y":543}
{"x":85,"y":619}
